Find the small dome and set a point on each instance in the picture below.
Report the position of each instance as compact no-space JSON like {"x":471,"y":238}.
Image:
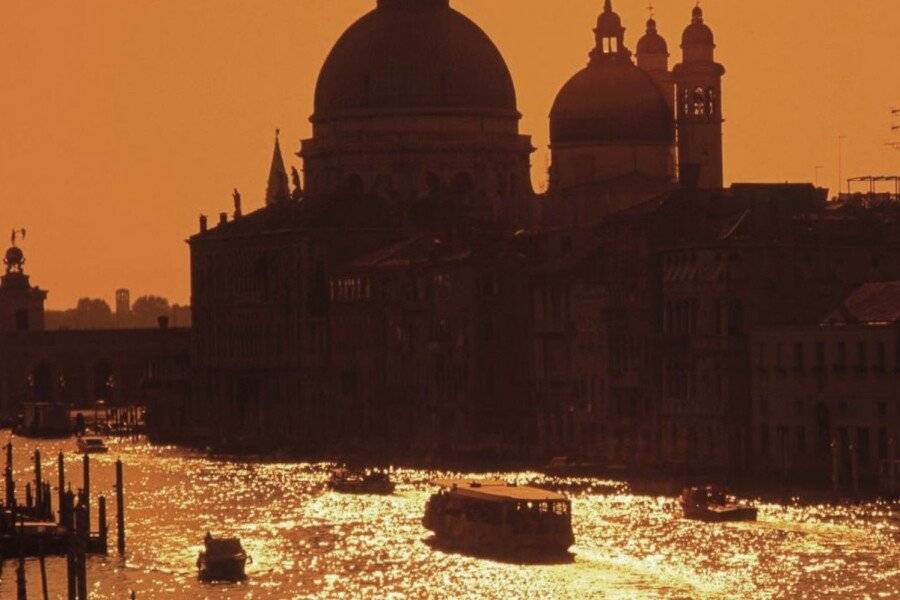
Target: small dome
{"x":651,"y":42}
{"x":14,"y":257}
{"x":697,"y":33}
{"x":611,"y":101}
{"x":414,"y":57}
{"x":609,"y":22}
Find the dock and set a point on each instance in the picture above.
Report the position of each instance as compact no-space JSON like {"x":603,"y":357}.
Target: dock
{"x":30,"y":528}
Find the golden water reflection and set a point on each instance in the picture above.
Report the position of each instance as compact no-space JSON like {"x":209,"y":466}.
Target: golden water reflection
{"x":307,"y":542}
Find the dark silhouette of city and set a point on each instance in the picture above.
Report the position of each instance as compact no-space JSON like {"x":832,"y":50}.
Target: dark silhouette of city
{"x":411,"y":295}
{"x":406,"y":310}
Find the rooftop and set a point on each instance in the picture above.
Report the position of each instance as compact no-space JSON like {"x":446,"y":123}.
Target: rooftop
{"x":498,"y":491}
{"x":876,"y":303}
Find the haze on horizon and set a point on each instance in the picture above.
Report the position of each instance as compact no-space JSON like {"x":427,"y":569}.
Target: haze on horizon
{"x":121,"y":122}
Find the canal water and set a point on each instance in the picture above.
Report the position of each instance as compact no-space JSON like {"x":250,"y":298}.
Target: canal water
{"x":307,"y":542}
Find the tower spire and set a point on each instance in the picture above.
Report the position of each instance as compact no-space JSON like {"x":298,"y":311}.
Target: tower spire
{"x":607,"y":6}
{"x":277,"y":189}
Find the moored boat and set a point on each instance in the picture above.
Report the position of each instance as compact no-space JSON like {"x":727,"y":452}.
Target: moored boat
{"x":496,"y":517}
{"x":361,"y":482}
{"x":713,"y":506}
{"x":91,"y":445}
{"x":222,"y":559}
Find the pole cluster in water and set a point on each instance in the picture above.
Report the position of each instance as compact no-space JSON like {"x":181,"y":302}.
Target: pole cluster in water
{"x":27,"y":529}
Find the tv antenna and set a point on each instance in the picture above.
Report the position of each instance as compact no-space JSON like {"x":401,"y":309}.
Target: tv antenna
{"x":895,"y":126}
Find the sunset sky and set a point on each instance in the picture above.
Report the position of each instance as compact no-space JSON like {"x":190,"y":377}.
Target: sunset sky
{"x":122,"y":120}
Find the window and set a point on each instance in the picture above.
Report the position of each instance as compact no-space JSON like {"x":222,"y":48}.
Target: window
{"x":841,"y":359}
{"x":820,"y":355}
{"x":764,"y":440}
{"x":22,"y":320}
{"x":799,"y":366}
{"x":735,"y":318}
{"x":801,"y":439}
{"x":700,"y":102}
{"x":862,"y":438}
{"x":862,"y":362}
{"x":880,"y":358}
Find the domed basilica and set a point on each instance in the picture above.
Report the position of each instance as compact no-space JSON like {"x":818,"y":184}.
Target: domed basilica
{"x":392,"y":284}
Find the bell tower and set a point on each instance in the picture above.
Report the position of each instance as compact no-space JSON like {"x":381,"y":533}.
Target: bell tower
{"x":21,"y":305}
{"x":698,"y":105}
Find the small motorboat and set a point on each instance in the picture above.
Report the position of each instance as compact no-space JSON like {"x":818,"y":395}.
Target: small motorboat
{"x":711,"y":505}
{"x":91,"y":445}
{"x":223,"y":559}
{"x":361,"y":482}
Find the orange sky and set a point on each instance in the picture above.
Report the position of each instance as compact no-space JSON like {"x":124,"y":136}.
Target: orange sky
{"x":120,"y":121}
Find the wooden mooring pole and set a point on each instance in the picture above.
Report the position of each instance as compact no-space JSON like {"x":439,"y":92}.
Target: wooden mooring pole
{"x":101,"y":523}
{"x":38,"y":480}
{"x":61,"y":469}
{"x":21,"y":588}
{"x":81,"y":539}
{"x":71,"y":569}
{"x":120,"y":508}
{"x":43,"y":565}
{"x":86,"y":463}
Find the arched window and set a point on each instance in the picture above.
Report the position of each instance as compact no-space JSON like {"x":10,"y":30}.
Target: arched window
{"x":103,"y":381}
{"x":700,"y":105}
{"x":42,"y":382}
{"x":610,"y":45}
{"x":22,"y":319}
{"x":462,"y":184}
{"x":353,"y":185}
{"x":432,"y":183}
{"x":712,"y":100}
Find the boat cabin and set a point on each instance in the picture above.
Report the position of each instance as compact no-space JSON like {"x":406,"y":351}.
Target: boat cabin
{"x":496,"y":515}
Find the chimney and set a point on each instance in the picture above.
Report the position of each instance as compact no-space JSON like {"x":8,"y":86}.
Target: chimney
{"x":223,"y":218}
{"x":203,"y":223}
{"x":163,"y":322}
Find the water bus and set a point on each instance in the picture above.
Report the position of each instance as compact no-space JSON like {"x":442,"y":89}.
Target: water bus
{"x":496,"y":517}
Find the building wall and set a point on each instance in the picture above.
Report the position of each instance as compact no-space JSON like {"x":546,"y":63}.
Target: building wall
{"x":824,"y":397}
{"x":80,"y":367}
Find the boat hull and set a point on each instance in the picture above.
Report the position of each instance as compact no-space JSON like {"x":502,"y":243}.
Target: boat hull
{"x":721,"y":514}
{"x":458,"y":532}
{"x":225,"y":570}
{"x":352,"y":487}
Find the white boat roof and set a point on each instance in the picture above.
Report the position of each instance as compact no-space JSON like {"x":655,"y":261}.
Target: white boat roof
{"x":496,"y":490}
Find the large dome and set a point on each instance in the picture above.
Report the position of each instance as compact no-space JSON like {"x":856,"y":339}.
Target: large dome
{"x":414,"y":57}
{"x":611,"y":101}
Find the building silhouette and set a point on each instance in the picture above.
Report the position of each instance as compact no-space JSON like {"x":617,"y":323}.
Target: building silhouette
{"x":43,"y":370}
{"x":415,"y":296}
